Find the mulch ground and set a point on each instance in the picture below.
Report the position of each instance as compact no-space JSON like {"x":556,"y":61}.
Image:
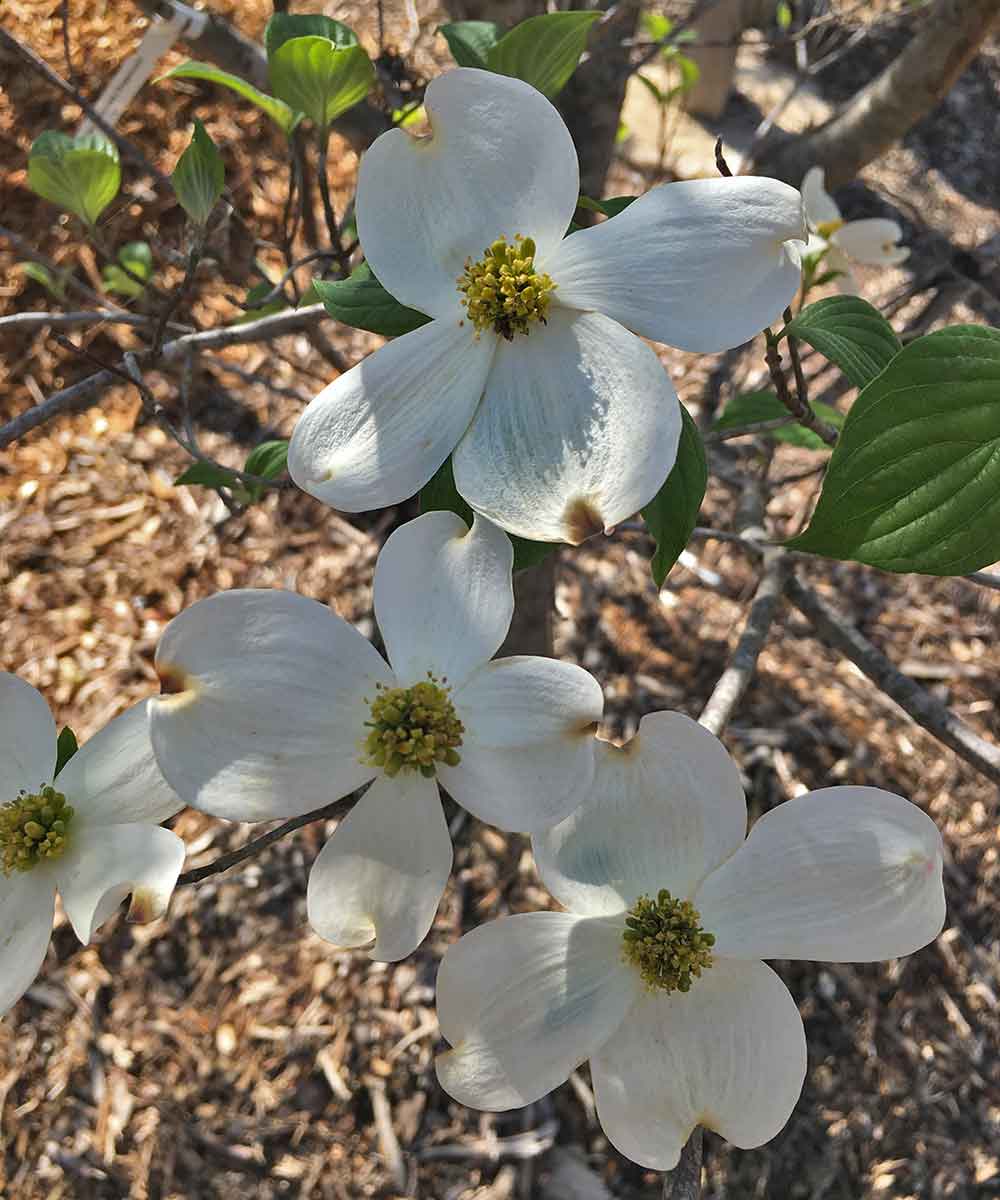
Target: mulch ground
{"x":228,"y":1051}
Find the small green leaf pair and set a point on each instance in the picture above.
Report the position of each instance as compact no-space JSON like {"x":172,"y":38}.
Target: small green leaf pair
{"x":268,"y":461}
{"x":129,"y":276}
{"x":543,"y":51}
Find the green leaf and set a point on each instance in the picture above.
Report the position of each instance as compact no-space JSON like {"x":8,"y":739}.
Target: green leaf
{"x":440,"y":494}
{"x":282,"y":27}
{"x":850,"y":333}
{"x":673,"y":511}
{"x":55,"y":285}
{"x":268,"y":459}
{"x":315,"y":77}
{"x":470,"y":41}
{"x":279,"y":112}
{"x":82,"y":175}
{"x":208,"y":475}
{"x":115,"y":280}
{"x":543,"y":51}
{"x":783,"y":13}
{"x":257,"y":308}
{"x":66,"y":747}
{"x":610,"y":207}
{"x":363,"y":303}
{"x":914,"y":481}
{"x":138,"y":258}
{"x":199,"y":176}
{"x":751,"y":407}
{"x":656,"y":25}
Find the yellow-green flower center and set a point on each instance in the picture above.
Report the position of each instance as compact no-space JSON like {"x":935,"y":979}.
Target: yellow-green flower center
{"x":826,"y":229}
{"x":503,"y":291}
{"x":33,"y":828}
{"x":664,"y":941}
{"x":413,"y":729}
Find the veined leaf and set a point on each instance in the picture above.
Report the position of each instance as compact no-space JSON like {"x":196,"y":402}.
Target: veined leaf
{"x":363,"y":303}
{"x":282,"y":27}
{"x":199,"y":176}
{"x":81,"y":174}
{"x":850,"y":333}
{"x":314,"y":76}
{"x":914,"y":481}
{"x":544,"y":50}
{"x":470,"y":41}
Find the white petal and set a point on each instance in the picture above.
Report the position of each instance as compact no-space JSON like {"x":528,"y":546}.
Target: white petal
{"x":701,"y":264}
{"x":105,"y":863}
{"x":821,"y":208}
{"x":443,"y":596}
{"x":27,"y":738}
{"x":528,"y":747}
{"x":27,"y":906}
{"x":113,"y":778}
{"x":381,"y":876}
{"x":873,"y":241}
{"x":845,"y":874}
{"x":837,"y":260}
{"x":376,"y":435}
{"x":500,"y":162}
{"x":729,"y":1055}
{"x":661,"y":813}
{"x":269,"y":712}
{"x":577,"y":431}
{"x":525,"y":1000}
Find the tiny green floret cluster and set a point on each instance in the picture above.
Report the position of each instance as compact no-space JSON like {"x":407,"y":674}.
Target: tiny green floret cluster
{"x":665,"y":942}
{"x":413,"y":729}
{"x":503,"y":291}
{"x":33,"y":828}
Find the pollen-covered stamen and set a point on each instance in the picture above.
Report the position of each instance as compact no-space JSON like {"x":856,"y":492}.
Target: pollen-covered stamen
{"x":664,"y":941}
{"x":33,"y":827}
{"x":413,"y":729}
{"x":826,"y":229}
{"x":503,"y":291}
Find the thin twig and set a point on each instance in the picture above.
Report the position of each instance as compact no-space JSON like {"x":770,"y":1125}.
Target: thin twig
{"x":751,"y":428}
{"x":338,"y":809}
{"x":798,"y":405}
{"x":736,"y":678}
{"x":71,"y":284}
{"x":918,"y":703}
{"x":25,"y":322}
{"x":81,"y":394}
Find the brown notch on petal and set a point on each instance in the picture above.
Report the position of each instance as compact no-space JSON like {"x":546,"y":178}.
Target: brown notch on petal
{"x":145,"y":906}
{"x":173,"y":680}
{"x":581,"y":520}
{"x":587,"y":730}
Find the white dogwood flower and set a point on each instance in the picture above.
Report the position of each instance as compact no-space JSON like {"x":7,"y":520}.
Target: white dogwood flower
{"x":873,"y":241}
{"x":561,"y":420}
{"x":655,"y":972}
{"x":90,"y":834}
{"x":278,"y":706}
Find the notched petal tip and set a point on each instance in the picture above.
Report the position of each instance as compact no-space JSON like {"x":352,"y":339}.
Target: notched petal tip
{"x":146,"y":905}
{"x":177,"y":687}
{"x":587,"y":729}
{"x":581,"y":520}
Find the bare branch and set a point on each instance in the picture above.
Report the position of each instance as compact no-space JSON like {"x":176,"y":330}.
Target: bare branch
{"x":25,"y":322}
{"x":736,"y":678}
{"x":797,"y":405}
{"x":339,"y":808}
{"x":918,"y":703}
{"x":80,"y":395}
